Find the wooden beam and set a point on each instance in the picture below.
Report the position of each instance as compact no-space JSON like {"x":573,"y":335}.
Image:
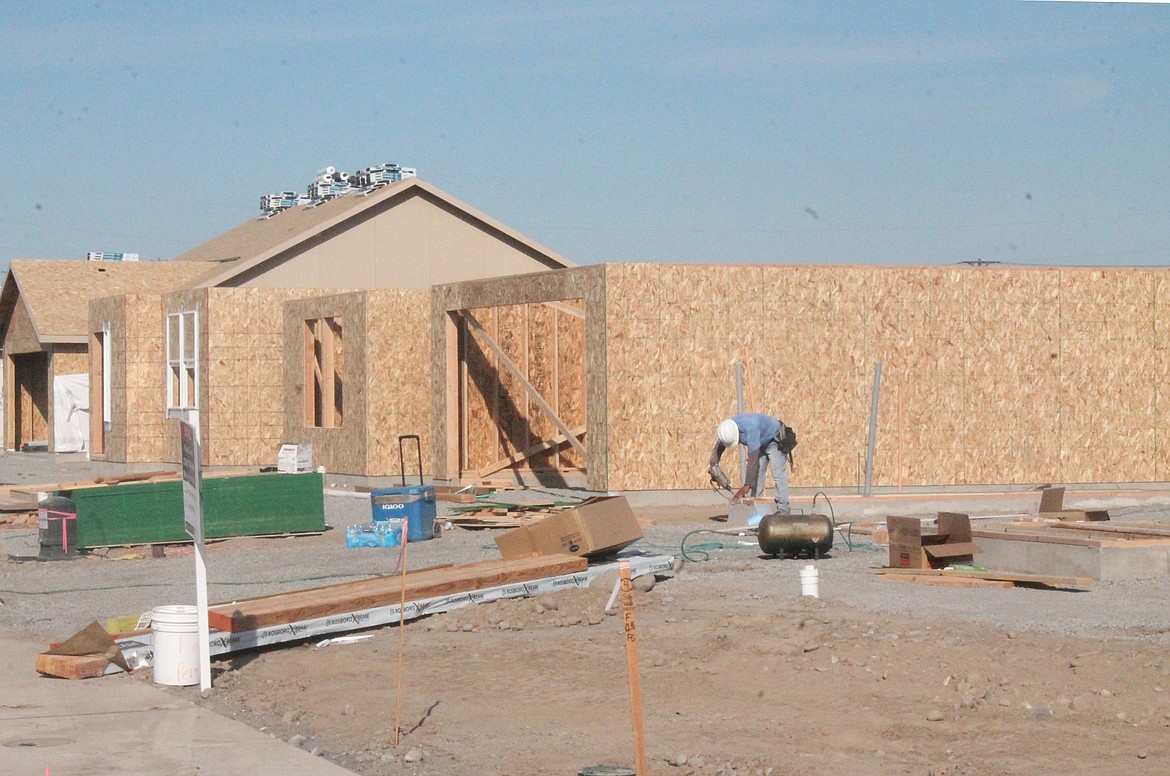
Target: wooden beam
{"x":385,"y":591}
{"x":451,"y":412}
{"x":524,"y":455}
{"x":72,"y":666}
{"x":535,"y":394}
{"x":948,"y":581}
{"x":325,"y":332}
{"x":310,"y":372}
{"x":1007,"y":576}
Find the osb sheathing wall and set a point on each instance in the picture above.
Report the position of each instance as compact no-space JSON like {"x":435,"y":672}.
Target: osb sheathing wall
{"x":341,"y":449}
{"x":583,"y":287}
{"x":21,"y":336}
{"x":69,"y":359}
{"x":137,"y":366}
{"x":241,"y":363}
{"x":385,"y":373}
{"x":398,"y":380}
{"x":989,"y":375}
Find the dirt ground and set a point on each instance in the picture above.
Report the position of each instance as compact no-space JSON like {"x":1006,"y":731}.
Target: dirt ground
{"x":736,"y":678}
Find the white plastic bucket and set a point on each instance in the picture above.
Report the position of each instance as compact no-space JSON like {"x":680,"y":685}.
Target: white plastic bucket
{"x":809,"y":581}
{"x":175,"y":644}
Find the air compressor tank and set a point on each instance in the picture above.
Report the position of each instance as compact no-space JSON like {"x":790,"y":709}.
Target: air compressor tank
{"x":792,"y":535}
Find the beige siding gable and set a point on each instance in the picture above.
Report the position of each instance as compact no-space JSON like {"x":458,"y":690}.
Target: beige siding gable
{"x":413,"y":245}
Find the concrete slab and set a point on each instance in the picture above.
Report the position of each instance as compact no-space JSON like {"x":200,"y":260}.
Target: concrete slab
{"x":118,"y":724}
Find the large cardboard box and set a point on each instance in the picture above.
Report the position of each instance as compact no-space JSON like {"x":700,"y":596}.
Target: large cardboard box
{"x":596,"y":526}
{"x":911,"y":548}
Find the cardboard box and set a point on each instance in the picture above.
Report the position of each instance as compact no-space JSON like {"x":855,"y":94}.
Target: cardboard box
{"x":1052,"y":508}
{"x":911,"y":548}
{"x":291,"y":459}
{"x":597,"y":526}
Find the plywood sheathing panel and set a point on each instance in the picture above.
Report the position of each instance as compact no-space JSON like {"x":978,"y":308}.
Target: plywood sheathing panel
{"x":137,"y":369}
{"x":344,"y":448}
{"x":585,"y":284}
{"x":990,"y":375}
{"x":21,"y":336}
{"x":113,"y":311}
{"x":241,"y":361}
{"x":570,"y":378}
{"x":398,"y":380}
{"x":70,"y":359}
{"x":58,"y":291}
{"x":543,"y":370}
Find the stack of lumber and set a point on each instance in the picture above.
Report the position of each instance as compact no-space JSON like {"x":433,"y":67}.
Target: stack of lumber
{"x":347,"y":597}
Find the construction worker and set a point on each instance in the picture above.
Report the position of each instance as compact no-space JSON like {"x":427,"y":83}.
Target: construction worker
{"x":768,"y":441}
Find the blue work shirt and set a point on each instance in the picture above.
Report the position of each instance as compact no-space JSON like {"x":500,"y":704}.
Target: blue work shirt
{"x":756,"y":430}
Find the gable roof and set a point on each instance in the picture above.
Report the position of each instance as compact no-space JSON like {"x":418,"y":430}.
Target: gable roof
{"x":258,"y":240}
{"x":57,"y":292}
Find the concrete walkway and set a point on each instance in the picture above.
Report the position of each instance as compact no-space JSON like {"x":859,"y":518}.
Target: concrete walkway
{"x":118,"y":724}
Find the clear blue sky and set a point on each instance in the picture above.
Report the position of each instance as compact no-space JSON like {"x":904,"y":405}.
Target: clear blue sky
{"x":868,"y":132}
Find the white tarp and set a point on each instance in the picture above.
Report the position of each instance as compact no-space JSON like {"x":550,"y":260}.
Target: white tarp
{"x":71,"y":413}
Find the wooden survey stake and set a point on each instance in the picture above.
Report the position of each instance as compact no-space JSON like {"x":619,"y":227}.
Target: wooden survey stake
{"x":401,"y":630}
{"x":631,"y":630}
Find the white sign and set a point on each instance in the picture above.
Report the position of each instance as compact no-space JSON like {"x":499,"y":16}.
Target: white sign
{"x":192,"y":482}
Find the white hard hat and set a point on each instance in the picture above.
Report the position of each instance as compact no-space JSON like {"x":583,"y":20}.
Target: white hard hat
{"x":728,"y":433}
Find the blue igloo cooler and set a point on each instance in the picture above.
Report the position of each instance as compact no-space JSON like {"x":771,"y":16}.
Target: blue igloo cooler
{"x":416,"y":503}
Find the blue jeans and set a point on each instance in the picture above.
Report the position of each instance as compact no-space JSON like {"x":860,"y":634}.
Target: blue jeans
{"x":771,"y":455}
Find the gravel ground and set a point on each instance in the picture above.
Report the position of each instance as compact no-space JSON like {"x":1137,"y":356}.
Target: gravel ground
{"x":55,"y":599}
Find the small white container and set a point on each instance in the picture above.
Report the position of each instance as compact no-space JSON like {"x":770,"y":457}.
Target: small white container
{"x":175,"y":642}
{"x":810,"y":581}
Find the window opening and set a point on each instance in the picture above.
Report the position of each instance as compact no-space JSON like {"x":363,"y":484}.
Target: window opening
{"x":324,"y":367}
{"x":182,"y":362}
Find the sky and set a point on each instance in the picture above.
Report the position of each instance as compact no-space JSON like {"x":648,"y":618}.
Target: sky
{"x":867,"y":132}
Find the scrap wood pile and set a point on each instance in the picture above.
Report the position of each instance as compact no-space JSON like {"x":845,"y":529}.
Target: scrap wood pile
{"x":485,"y":513}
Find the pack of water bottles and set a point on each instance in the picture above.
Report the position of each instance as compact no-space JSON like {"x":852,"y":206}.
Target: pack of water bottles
{"x":381,"y":533}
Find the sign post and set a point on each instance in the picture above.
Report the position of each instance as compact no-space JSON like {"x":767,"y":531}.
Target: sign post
{"x":193,"y":522}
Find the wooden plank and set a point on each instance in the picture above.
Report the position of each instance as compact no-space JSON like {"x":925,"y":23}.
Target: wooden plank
{"x":32,"y":489}
{"x":71,"y":666}
{"x":1052,"y":536}
{"x":1009,"y":576}
{"x":949,"y":581}
{"x":451,"y":411}
{"x":1115,"y":530}
{"x":385,"y":591}
{"x":524,"y":455}
{"x":532,"y":392}
{"x":337,"y":585}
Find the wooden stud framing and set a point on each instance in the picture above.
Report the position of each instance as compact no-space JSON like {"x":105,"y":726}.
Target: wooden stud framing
{"x":534,"y":394}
